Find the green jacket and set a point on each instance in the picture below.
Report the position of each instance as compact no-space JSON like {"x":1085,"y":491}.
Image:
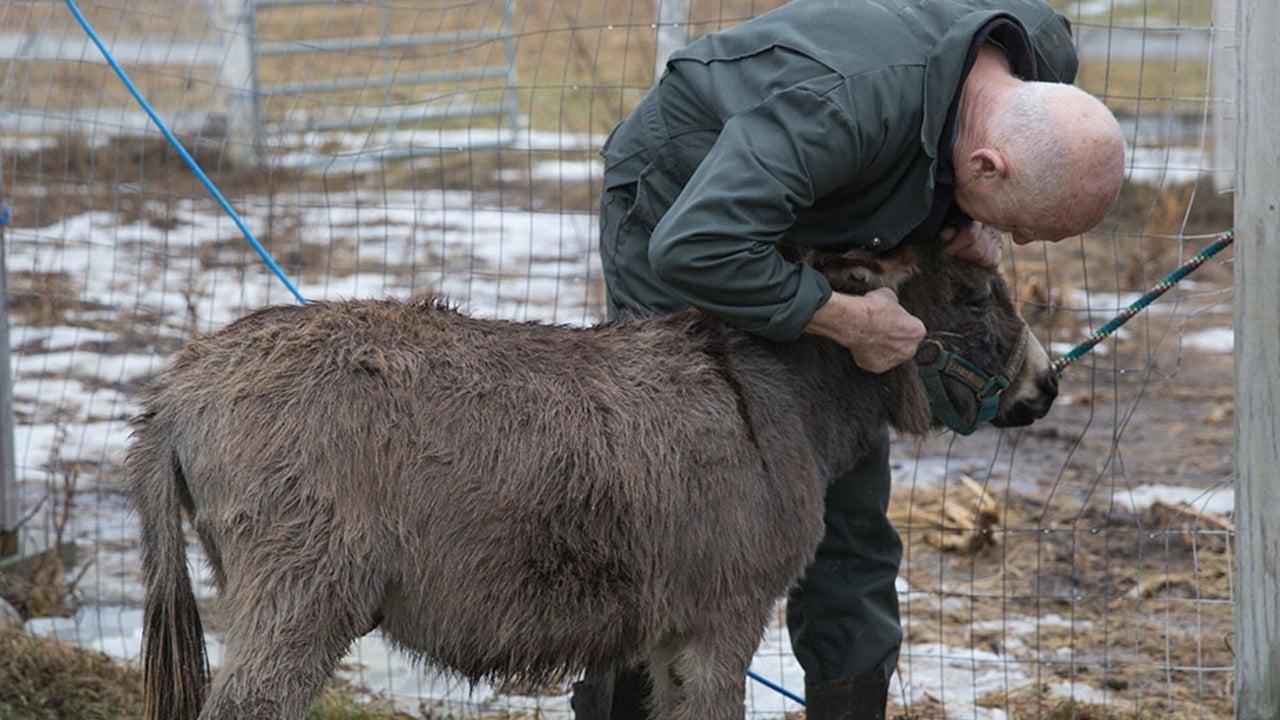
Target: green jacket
{"x":818,"y":122}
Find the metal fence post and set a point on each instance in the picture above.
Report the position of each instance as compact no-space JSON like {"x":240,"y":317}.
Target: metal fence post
{"x":10,"y":510}
{"x":1225,"y":57}
{"x":1257,"y":357}
{"x":237,"y":90}
{"x":673,"y":31}
{"x":510,"y":100}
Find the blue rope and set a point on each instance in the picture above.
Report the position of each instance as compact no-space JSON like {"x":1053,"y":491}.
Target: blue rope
{"x":775,"y":687}
{"x":235,"y":217}
{"x":186,"y":156}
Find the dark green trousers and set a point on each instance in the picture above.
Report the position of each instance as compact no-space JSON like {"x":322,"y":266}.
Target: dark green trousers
{"x":843,"y":615}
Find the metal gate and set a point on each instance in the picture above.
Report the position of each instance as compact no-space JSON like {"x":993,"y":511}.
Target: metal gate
{"x":406,"y":92}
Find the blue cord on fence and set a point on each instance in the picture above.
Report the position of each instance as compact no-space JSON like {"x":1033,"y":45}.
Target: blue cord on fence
{"x":182,"y":151}
{"x":226,"y":206}
{"x":775,"y":687}
{"x":1160,"y":288}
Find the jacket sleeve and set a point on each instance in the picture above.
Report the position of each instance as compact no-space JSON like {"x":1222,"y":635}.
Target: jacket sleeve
{"x":716,"y":244}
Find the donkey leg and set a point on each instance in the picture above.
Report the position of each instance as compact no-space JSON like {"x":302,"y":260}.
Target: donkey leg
{"x":705,"y":677}
{"x":664,"y":687}
{"x":276,"y":662}
{"x":288,"y":626}
{"x":709,"y":688}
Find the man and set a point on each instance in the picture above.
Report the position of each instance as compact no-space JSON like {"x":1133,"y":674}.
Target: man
{"x":845,"y":124}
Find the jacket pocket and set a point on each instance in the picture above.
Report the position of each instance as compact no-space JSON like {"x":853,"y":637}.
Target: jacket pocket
{"x":656,"y":191}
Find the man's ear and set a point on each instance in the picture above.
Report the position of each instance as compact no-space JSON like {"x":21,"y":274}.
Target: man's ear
{"x":987,"y":164}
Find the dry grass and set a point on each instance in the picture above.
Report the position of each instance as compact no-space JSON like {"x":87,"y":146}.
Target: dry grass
{"x":45,"y":680}
{"x":1150,"y":86}
{"x":112,"y":18}
{"x":42,"y":679}
{"x":52,"y":87}
{"x":1147,"y":596}
{"x":1151,"y":231}
{"x":141,"y":179}
{"x":1152,"y":13}
{"x":579,"y":66}
{"x":42,"y":298}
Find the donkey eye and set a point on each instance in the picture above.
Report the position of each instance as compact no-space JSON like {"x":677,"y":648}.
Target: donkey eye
{"x":981,"y":303}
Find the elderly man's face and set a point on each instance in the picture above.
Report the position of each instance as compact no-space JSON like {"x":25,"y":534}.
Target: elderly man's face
{"x":1023,"y":234}
{"x":1019,"y":224}
{"x":1007,"y":219}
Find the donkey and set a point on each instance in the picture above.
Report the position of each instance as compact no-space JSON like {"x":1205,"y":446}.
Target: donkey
{"x":518,"y":500}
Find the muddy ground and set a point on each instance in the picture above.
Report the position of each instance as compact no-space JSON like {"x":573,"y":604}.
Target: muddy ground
{"x":1143,"y":595}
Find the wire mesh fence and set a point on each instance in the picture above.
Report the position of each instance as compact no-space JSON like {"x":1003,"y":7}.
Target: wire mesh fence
{"x":1078,"y":568}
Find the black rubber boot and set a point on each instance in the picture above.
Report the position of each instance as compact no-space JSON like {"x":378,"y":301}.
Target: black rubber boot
{"x":592,"y":698}
{"x":611,"y":696}
{"x":863,"y":697}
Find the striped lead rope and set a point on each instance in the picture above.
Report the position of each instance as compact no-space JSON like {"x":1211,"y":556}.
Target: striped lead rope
{"x":1102,"y":333}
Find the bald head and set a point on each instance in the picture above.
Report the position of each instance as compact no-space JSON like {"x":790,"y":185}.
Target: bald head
{"x":1066,"y":154}
{"x":1043,"y":158}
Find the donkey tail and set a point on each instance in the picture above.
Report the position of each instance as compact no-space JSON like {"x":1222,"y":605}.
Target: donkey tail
{"x":174,"y":659}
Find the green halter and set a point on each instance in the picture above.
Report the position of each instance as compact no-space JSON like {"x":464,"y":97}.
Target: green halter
{"x":986,"y":388}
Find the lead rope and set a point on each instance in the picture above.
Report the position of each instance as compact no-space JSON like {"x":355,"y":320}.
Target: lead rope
{"x":1223,"y":240}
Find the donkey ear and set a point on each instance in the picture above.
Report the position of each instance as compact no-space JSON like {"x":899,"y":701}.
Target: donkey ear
{"x":900,"y":266}
{"x":906,"y":401}
{"x":855,"y":271}
{"x":860,"y":271}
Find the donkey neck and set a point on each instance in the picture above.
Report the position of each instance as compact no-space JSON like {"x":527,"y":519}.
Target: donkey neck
{"x":811,"y":383}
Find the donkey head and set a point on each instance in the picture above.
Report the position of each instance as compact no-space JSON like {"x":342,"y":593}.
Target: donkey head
{"x":979,"y":361}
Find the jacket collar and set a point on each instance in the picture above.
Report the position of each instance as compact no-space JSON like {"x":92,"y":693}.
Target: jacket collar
{"x":946,"y":67}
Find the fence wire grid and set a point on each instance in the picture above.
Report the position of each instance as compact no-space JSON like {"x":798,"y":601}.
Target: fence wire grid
{"x":1081,"y":567}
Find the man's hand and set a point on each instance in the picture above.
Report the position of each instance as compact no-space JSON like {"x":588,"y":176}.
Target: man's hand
{"x":976,"y":243}
{"x":880,"y":334}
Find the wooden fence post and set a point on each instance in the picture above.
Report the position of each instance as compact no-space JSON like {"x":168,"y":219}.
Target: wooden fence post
{"x":1257,"y":357}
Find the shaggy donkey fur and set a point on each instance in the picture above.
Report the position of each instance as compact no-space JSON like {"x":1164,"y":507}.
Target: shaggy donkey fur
{"x":512,"y":500}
